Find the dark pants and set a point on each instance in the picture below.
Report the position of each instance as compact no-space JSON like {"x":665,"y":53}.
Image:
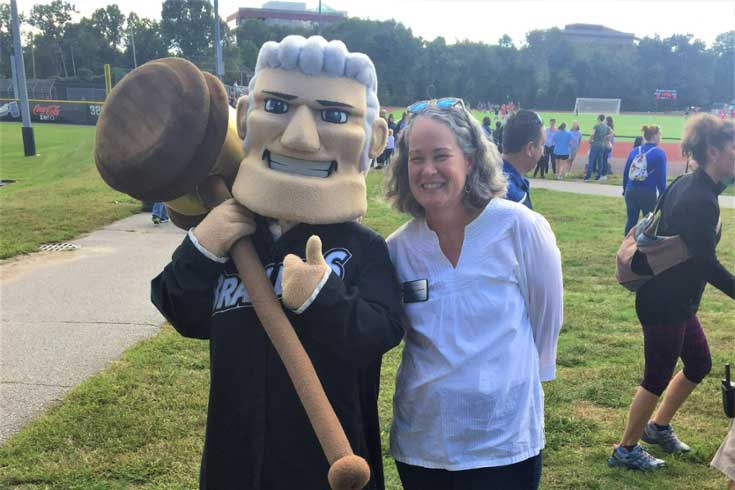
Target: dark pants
{"x":595,"y":162}
{"x":663,"y":344}
{"x":543,"y":163}
{"x":524,"y":475}
{"x":638,"y":200}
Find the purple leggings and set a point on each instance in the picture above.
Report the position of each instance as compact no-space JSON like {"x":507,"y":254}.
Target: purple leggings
{"x":663,"y":344}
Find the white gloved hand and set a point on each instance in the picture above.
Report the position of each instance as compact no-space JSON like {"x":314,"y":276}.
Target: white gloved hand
{"x":223,"y":226}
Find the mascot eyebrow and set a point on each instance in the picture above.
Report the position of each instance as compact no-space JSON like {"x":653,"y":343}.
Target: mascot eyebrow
{"x":326,"y":103}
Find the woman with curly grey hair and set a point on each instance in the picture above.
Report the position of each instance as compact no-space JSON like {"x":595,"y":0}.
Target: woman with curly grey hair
{"x":482,"y":290}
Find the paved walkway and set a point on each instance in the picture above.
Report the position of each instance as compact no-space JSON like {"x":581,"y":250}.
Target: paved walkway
{"x":599,"y":189}
{"x":65,"y":315}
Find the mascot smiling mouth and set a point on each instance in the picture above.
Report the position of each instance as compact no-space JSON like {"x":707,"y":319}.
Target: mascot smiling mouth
{"x":297,"y":166}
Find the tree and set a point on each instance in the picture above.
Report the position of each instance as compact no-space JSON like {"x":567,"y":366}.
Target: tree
{"x":149,"y":42}
{"x":187,"y":26}
{"x":51,"y":19}
{"x":6,"y":40}
{"x":108,"y":22}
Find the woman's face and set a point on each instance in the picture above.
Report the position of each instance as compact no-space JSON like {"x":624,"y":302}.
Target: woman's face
{"x":724,"y":159}
{"x":437,"y":167}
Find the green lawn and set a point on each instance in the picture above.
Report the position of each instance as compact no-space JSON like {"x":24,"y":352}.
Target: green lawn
{"x":140,"y":423}
{"x":58,"y":194}
{"x":627,"y":126}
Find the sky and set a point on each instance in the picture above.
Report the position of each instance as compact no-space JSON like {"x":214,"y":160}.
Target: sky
{"x":488,"y":20}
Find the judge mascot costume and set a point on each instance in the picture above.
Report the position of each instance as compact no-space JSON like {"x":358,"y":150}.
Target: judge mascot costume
{"x":310,"y":129}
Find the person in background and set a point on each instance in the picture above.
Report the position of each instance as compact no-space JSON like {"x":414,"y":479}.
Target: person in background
{"x":640,"y":189}
{"x":482,"y":287}
{"x":549,"y":146}
{"x":563,"y":141}
{"x":159,"y":214}
{"x":609,"y":142}
{"x":597,"y":148}
{"x":543,"y":162}
{"x":523,"y":139}
{"x":400,"y":124}
{"x":391,"y":122}
{"x":487,"y":128}
{"x":667,"y":304}
{"x":498,"y":136}
{"x":576,"y":141}
{"x":389,"y":147}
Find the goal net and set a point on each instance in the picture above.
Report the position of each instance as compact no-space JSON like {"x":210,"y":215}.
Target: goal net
{"x":597,"y":106}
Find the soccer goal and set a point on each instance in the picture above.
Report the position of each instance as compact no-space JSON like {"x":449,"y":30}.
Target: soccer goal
{"x":597,"y":106}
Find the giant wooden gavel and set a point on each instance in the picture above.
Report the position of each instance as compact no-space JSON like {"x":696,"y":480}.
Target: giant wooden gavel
{"x":166,"y":133}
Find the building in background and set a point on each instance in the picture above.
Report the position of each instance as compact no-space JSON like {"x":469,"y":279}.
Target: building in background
{"x":598,"y":34}
{"x":288,"y":13}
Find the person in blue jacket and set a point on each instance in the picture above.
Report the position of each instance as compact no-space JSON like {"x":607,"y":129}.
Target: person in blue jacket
{"x":644,"y":174}
{"x":523,"y":145}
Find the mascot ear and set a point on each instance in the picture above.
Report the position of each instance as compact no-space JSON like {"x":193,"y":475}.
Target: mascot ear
{"x":242,"y":114}
{"x":379,"y":138}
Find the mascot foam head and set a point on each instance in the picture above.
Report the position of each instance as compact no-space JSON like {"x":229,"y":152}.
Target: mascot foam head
{"x":311,"y":126}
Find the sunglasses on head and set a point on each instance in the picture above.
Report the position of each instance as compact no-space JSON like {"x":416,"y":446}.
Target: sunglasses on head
{"x":443,"y":103}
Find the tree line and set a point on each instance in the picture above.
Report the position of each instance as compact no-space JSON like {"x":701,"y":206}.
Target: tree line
{"x":545,"y":70}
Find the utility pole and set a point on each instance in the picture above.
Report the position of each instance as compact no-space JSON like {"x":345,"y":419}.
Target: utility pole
{"x":73,"y":62}
{"x":33,"y":58}
{"x":132,"y":42}
{"x":29,"y":142}
{"x":219,"y":67}
{"x":320,"y":17}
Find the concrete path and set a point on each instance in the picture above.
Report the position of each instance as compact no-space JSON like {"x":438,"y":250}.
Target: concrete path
{"x":65,"y":315}
{"x":599,"y":189}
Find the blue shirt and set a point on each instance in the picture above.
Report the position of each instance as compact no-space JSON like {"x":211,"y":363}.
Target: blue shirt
{"x":576,"y":138}
{"x":519,"y":190}
{"x":562,"y":142}
{"x":656,"y":166}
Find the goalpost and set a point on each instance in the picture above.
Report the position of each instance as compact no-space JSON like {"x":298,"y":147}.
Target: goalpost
{"x":597,"y":106}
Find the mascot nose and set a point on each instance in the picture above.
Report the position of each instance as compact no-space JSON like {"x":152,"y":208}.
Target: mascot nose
{"x":301,"y":133}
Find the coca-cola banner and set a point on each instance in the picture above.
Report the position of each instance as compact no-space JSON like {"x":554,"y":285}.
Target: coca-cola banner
{"x":56,"y":112}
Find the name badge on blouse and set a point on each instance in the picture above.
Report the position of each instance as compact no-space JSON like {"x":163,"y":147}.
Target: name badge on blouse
{"x":416,"y":291}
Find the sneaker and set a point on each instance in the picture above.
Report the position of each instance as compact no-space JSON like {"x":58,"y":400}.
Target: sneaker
{"x":604,"y":177}
{"x":635,"y":459}
{"x":666,"y":438}
{"x":586,"y":179}
{"x":164,"y":220}
{"x":156,"y":220}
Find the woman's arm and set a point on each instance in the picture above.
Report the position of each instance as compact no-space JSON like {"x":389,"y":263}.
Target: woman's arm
{"x":543,"y":281}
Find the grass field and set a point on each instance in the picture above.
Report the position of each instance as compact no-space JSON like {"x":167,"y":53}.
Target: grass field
{"x":627,"y":126}
{"x":139,"y":424}
{"x":35,"y":209}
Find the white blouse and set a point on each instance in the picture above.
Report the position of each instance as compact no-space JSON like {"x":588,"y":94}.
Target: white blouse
{"x":468,"y":390}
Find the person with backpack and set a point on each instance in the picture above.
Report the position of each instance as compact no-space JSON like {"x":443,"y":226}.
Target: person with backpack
{"x":645,"y":172}
{"x":667,"y":303}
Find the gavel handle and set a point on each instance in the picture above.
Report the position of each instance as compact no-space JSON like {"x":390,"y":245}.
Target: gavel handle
{"x":347,"y":471}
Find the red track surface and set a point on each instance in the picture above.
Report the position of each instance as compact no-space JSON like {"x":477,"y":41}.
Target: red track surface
{"x":621,"y":149}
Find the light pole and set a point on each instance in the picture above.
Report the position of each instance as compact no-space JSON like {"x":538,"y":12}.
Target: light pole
{"x":320,"y":17}
{"x":29,"y":142}
{"x":219,"y":67}
{"x":132,"y":43}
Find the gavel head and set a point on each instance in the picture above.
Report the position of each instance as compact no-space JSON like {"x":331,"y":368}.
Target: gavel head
{"x":163,"y":130}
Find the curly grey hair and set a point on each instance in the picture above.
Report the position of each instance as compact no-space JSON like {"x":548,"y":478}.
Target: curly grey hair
{"x":485,"y":180}
{"x":316,"y":56}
